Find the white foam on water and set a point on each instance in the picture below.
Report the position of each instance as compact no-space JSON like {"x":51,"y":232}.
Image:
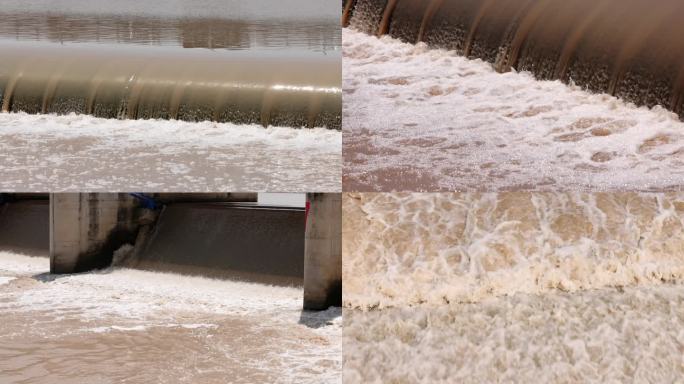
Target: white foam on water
{"x":136,"y":293}
{"x":77,"y":152}
{"x":604,"y":336}
{"x":122,"y":301}
{"x":407,"y":249}
{"x":419,"y":119}
{"x":513,"y":287}
{"x":14,"y":265}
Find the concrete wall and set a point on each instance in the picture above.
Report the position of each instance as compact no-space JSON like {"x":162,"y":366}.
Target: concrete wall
{"x":323,"y":251}
{"x":168,"y":198}
{"x":244,"y":242}
{"x":24,"y":225}
{"x":86,"y":229}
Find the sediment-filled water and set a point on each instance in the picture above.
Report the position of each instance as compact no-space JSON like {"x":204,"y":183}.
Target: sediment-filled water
{"x":629,"y":49}
{"x":158,"y":327}
{"x":76,"y":152}
{"x":235,"y":63}
{"x":622,"y":336}
{"x":403,"y":249}
{"x":478,"y":287}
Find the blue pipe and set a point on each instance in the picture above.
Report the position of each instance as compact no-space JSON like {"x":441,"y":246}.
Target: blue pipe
{"x":146,"y":201}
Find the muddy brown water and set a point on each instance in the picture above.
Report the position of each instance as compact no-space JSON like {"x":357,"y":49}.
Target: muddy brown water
{"x":127,"y":326}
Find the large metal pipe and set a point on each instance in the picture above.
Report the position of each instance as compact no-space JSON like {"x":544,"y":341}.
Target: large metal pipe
{"x":628,"y":48}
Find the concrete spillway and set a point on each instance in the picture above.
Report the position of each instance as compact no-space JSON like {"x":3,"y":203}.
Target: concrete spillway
{"x":240,"y":241}
{"x":628,"y":48}
{"x":135,"y":82}
{"x":24,"y":226}
{"x":237,"y":62}
{"x":225,"y":235}
{"x":221,"y":235}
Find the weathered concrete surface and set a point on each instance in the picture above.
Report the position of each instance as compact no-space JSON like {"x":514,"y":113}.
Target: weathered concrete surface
{"x":226,"y":240}
{"x":323,"y":253}
{"x":86,"y":229}
{"x":24,"y":226}
{"x":241,"y":241}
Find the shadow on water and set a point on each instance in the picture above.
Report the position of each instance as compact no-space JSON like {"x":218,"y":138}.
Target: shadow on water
{"x":318,"y":319}
{"x":47,"y":277}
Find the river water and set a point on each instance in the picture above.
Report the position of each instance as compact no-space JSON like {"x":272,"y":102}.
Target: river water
{"x":128,"y":326}
{"x":513,"y":287}
{"x":233,"y":25}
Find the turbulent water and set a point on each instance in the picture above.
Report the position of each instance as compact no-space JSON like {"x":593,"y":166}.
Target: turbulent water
{"x":123,"y":325}
{"x":557,"y":287}
{"x":442,"y":248}
{"x":242,"y":63}
{"x":418,"y":119}
{"x":603,"y":336}
{"x":627,"y":48}
{"x":73,"y":152}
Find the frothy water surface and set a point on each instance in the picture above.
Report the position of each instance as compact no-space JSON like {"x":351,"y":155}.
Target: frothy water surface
{"x":77,"y":152}
{"x":630,"y":336}
{"x":143,"y":327}
{"x":418,"y":119}
{"x":405,"y":249}
{"x":513,"y":287}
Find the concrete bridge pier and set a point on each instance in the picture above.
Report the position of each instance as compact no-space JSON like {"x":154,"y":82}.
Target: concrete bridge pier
{"x":323,"y":251}
{"x":86,"y":229}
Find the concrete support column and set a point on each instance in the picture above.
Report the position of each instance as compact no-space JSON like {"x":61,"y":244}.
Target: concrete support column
{"x":323,"y":251}
{"x":86,"y":229}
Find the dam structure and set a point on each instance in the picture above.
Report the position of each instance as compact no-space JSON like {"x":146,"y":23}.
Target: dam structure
{"x":227,"y":66}
{"x":222,"y":235}
{"x":630,"y":49}
{"x":24,"y":224}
